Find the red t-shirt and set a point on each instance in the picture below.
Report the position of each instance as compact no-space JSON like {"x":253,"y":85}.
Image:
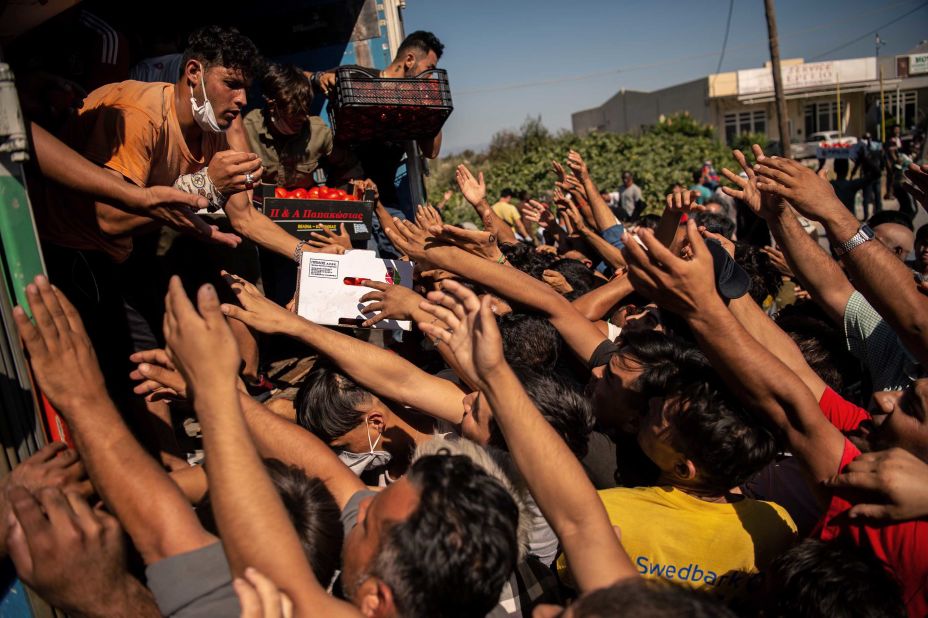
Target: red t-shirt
{"x":840,"y":412}
{"x":902,"y":546}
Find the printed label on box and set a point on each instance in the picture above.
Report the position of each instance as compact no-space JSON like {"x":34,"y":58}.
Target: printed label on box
{"x":323,"y":268}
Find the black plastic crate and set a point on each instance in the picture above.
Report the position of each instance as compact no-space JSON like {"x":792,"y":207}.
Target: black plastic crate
{"x":365,"y":107}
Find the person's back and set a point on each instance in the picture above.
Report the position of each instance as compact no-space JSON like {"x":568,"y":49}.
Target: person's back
{"x":845,"y":189}
{"x":672,"y":535}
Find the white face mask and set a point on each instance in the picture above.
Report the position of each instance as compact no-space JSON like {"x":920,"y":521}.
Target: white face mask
{"x":204,"y":115}
{"x":359,"y":462}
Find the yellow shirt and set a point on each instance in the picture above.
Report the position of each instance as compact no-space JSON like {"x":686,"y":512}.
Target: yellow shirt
{"x":671,"y":535}
{"x":507,"y":212}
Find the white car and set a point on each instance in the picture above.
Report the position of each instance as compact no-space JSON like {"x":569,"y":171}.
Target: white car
{"x":807,"y":149}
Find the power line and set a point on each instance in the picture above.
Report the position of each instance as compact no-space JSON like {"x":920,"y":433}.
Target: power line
{"x":731,"y":7}
{"x":689,"y":57}
{"x":874,"y":31}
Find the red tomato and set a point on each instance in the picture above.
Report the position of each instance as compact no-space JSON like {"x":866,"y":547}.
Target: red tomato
{"x":324,"y":192}
{"x":351,"y":198}
{"x":340,"y":194}
{"x":299,"y":194}
{"x":313,"y":193}
{"x":280,"y":192}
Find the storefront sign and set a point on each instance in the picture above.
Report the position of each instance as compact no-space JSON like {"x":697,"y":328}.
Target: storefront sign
{"x":808,"y":75}
{"x":918,"y":64}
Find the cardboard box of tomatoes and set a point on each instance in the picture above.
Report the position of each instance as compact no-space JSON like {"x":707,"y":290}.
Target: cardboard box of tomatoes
{"x":303,"y":211}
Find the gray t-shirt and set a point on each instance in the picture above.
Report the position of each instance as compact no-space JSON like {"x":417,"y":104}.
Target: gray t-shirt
{"x":195,"y":584}
{"x":628,"y":197}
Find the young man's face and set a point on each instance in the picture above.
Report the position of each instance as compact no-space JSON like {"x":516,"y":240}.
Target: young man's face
{"x":921,"y":250}
{"x":377,"y":513}
{"x":900,"y":419}
{"x":615,"y":398}
{"x":225,"y":89}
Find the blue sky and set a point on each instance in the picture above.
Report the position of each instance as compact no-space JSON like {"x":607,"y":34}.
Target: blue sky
{"x":571,"y":52}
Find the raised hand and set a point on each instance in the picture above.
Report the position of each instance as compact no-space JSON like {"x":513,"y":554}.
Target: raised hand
{"x":474,"y":189}
{"x":361,"y":186}
{"x":260,"y":597}
{"x":390,"y":302}
{"x":472,"y":334}
{"x":778,"y":260}
{"x":888,"y":485}
{"x":158,"y":378}
{"x":672,"y":282}
{"x":481,"y":244}
{"x":73,"y":555}
{"x":557,"y":281}
{"x":410,"y":239}
{"x":199,"y":340}
{"x":61,"y":355}
{"x":762,"y":204}
{"x":684,"y":202}
{"x":558,"y":170}
{"x":808,"y":192}
{"x":327,"y":238}
{"x":227,"y":171}
{"x":576,"y":218}
{"x":427,"y":216}
{"x":533,"y":210}
{"x":578,"y":166}
{"x":728,"y":245}
{"x":257,"y":312}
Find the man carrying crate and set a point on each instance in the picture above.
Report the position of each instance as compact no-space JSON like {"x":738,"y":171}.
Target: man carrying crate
{"x":382,"y":161}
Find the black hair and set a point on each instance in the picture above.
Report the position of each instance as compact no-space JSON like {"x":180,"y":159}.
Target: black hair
{"x":530,"y":339}
{"x":834,"y":579}
{"x":312,"y":511}
{"x":891,"y":216}
{"x":726,"y":442}
{"x":288,"y":87}
{"x":524,"y":257}
{"x":697,"y":175}
{"x":641,"y":598}
{"x":822,"y":346}
{"x":664,"y":359}
{"x":577,"y":274}
{"x":505,"y":193}
{"x":422,"y":41}
{"x":649,"y":221}
{"x":327,"y":402}
{"x":716,"y":223}
{"x":225,"y":47}
{"x":765,"y":279}
{"x":560,"y":402}
{"x":453,"y":554}
{"x":922,"y":234}
{"x":314,"y":514}
{"x":841,"y":168}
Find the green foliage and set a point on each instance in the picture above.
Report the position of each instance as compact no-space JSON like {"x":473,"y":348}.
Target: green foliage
{"x":663,"y":155}
{"x":744,"y":141}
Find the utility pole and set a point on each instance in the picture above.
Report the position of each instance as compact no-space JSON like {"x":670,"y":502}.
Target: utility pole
{"x":782,"y":117}
{"x":879,"y":67}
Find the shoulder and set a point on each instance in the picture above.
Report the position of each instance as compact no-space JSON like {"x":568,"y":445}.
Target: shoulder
{"x":144,"y":97}
{"x":254,"y":118}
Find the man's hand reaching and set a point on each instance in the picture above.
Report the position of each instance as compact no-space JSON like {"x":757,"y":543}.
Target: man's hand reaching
{"x":393,"y":302}
{"x":178,"y":209}
{"x":327,"y":239}
{"x":808,"y":192}
{"x":474,"y":189}
{"x":917,"y":187}
{"x":158,"y":378}
{"x":766,"y":205}
{"x":679,"y":285}
{"x":471,"y":334}
{"x":887,"y":485}
{"x":481,"y":244}
{"x":228,"y":169}
{"x":257,"y":312}
{"x":199,"y":340}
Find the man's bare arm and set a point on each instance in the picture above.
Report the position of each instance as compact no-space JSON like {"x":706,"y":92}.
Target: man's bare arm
{"x":151,"y":508}
{"x":597,"y":304}
{"x":250,"y":515}
{"x":376,"y":369}
{"x":554,"y":476}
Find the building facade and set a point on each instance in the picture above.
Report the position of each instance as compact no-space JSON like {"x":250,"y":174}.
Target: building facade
{"x":835,"y":95}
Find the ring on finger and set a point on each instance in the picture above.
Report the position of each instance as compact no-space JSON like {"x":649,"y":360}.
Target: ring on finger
{"x":249,"y":181}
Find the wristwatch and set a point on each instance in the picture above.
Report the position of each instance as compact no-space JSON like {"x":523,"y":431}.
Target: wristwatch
{"x":863,"y":234}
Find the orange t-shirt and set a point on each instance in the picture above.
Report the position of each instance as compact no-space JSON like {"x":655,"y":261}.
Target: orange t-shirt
{"x":130,"y":127}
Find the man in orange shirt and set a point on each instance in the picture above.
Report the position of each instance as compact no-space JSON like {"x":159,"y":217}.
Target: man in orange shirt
{"x":151,"y":134}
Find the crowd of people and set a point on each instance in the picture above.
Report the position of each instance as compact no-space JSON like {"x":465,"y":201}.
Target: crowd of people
{"x":719,"y":410}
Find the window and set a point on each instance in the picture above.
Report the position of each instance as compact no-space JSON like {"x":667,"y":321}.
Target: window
{"x":821,"y":116}
{"x":903,"y":107}
{"x":738,"y":123}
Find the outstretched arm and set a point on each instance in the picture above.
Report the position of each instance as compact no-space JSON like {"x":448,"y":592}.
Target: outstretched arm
{"x":554,"y":476}
{"x":376,"y":369}
{"x":759,"y":379}
{"x":152,"y":509}
{"x":883,"y":279}
{"x":250,"y":515}
{"x":475,"y":192}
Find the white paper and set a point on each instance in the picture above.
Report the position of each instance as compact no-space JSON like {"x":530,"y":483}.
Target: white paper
{"x":324,"y":297}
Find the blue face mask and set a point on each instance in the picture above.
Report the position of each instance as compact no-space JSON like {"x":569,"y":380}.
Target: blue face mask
{"x":359,"y":462}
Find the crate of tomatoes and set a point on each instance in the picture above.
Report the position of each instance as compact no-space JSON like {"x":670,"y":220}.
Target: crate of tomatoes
{"x":365,"y":107}
{"x":303,"y":211}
